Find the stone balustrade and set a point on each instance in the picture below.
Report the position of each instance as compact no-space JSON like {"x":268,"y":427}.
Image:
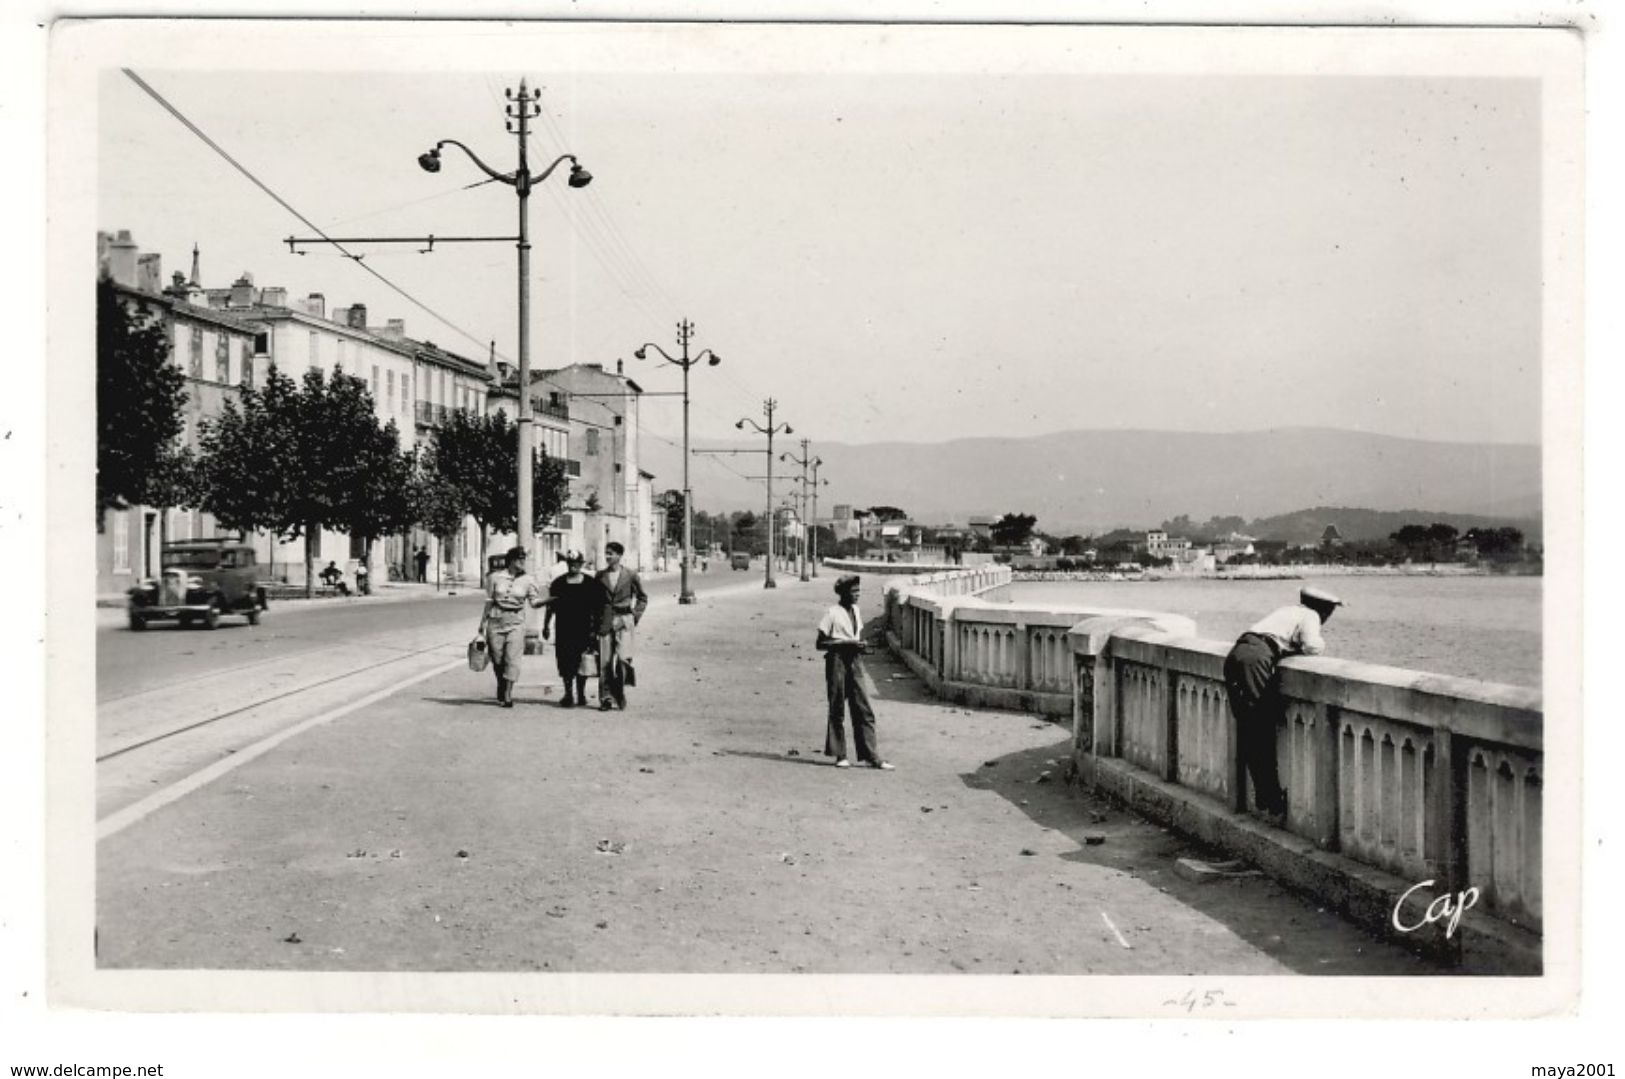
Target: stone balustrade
{"x":1418,"y":776}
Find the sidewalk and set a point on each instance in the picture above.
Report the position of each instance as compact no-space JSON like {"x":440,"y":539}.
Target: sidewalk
{"x":699,"y":831}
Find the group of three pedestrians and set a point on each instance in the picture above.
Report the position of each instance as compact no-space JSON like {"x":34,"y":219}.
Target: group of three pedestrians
{"x":596,"y":617}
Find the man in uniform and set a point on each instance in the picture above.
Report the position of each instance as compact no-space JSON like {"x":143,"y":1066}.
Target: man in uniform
{"x":503,"y":621}
{"x":1252,"y":682}
{"x":624,"y":604}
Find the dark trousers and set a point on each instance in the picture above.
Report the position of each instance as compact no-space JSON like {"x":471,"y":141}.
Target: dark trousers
{"x":1252,"y":683}
{"x":846,"y":695}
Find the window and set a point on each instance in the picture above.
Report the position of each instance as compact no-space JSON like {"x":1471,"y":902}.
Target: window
{"x":195,"y":365}
{"x":406,"y":393}
{"x":592,"y":442}
{"x":121,"y":541}
{"x":315,"y":355}
{"x":262,"y":344}
{"x":617,"y":421}
{"x":222,"y":357}
{"x":374,"y":386}
{"x":389,"y":386}
{"x":341,"y":343}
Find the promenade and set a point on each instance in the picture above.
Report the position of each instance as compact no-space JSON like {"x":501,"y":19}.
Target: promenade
{"x":700,"y":831}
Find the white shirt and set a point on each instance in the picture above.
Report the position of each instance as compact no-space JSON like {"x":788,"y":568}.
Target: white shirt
{"x":1297,"y":628}
{"x":840,"y":626}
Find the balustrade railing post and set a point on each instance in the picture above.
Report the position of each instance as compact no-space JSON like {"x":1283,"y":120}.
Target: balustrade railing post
{"x":1237,"y":766}
{"x":1325,"y":808}
{"x":1447,"y":811}
{"x":1023,"y":655}
{"x":1170,"y":719}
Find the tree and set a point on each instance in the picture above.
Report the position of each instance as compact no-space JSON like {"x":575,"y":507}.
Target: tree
{"x":1013,"y":529}
{"x":139,"y":398}
{"x":744,"y":532}
{"x":383,"y":499}
{"x":671,"y":502}
{"x":296,"y":460}
{"x":439,"y":505}
{"x":248,"y":468}
{"x":477,"y":456}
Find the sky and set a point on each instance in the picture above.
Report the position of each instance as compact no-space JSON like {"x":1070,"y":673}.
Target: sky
{"x":903,"y":251}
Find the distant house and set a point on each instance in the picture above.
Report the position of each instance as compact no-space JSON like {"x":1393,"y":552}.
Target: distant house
{"x":981,"y":526}
{"x":1331,"y":537}
{"x":1159,"y":544}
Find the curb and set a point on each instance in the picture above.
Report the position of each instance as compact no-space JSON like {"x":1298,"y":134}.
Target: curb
{"x":1482,"y":944}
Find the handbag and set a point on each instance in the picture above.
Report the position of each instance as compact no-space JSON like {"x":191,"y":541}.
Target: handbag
{"x":478,"y":654}
{"x":588,"y":667}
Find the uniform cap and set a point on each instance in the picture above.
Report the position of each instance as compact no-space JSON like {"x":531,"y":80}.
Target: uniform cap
{"x":845,"y":584}
{"x":515,"y":552}
{"x":1314,"y":597}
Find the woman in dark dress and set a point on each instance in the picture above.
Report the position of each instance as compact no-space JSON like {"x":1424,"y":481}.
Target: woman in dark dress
{"x":577,"y":601}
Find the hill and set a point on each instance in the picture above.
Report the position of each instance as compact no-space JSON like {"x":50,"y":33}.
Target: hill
{"x":1093,"y":481}
{"x":1361,"y":525}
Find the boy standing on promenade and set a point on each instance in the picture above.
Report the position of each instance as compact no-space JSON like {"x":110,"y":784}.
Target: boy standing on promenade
{"x":1252,"y":682}
{"x":840,"y":638}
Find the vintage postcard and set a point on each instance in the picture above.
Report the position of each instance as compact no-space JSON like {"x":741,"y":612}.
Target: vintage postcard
{"x":1020,"y":520}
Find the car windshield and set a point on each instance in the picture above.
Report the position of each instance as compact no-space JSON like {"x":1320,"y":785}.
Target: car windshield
{"x":204,"y":558}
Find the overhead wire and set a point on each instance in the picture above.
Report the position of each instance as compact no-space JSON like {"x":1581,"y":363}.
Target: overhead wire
{"x":280,"y":201}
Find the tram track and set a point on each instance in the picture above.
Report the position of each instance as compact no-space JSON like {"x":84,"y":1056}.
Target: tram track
{"x":260,"y":702}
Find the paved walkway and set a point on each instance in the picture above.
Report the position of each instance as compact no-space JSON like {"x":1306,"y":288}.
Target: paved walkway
{"x":699,"y":831}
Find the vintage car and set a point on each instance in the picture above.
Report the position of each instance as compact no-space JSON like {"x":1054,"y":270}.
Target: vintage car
{"x":200,"y":581}
{"x":739,"y":560}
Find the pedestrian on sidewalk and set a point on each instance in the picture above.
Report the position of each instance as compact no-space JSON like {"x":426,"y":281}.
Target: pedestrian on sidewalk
{"x":841,"y":639}
{"x":1252,"y":681}
{"x":624,"y":604}
{"x":422,"y":560}
{"x":578,"y":603}
{"x":502,"y":623}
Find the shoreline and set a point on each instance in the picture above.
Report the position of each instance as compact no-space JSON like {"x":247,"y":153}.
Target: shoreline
{"x":1265,"y":573}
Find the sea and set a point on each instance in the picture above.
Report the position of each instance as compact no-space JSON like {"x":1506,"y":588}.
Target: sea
{"x":1481,"y":627}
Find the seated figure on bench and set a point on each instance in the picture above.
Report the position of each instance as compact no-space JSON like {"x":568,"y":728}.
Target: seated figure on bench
{"x":333,"y":577}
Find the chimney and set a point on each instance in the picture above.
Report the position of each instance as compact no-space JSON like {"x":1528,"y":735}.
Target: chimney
{"x":197,"y":278}
{"x":242,"y":292}
{"x":341,"y":315}
{"x":149,"y":275}
{"x":316,"y":304}
{"x":177,"y":286}
{"x":121,"y":254}
{"x":274,"y":297}
{"x":620,"y":367}
{"x":395,"y":329}
{"x":358,"y":317}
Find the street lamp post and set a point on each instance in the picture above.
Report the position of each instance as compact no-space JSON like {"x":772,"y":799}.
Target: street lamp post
{"x":770,"y":430}
{"x":816,"y":462}
{"x":803,"y":461}
{"x":524,"y":107}
{"x":685,"y":332}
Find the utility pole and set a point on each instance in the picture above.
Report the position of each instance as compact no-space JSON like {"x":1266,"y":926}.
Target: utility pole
{"x":804,"y":460}
{"x":685,"y":333}
{"x":816,"y":462}
{"x":770,"y":430}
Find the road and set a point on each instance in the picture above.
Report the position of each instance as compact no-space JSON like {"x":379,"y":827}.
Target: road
{"x":171,"y":701}
{"x":398,"y":821}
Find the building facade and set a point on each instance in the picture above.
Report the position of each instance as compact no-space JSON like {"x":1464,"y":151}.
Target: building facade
{"x":215,"y":351}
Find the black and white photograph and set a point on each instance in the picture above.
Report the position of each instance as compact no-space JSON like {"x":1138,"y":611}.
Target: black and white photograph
{"x":636,"y":518}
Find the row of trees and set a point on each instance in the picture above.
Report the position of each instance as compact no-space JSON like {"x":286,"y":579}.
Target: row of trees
{"x":294,"y":458}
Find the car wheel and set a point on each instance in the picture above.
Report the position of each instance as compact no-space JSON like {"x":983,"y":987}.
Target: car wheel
{"x":211,"y":617}
{"x":253,"y":616}
{"x":137,"y":623}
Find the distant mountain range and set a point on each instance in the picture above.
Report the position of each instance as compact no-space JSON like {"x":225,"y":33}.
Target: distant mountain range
{"x":1093,"y":481}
